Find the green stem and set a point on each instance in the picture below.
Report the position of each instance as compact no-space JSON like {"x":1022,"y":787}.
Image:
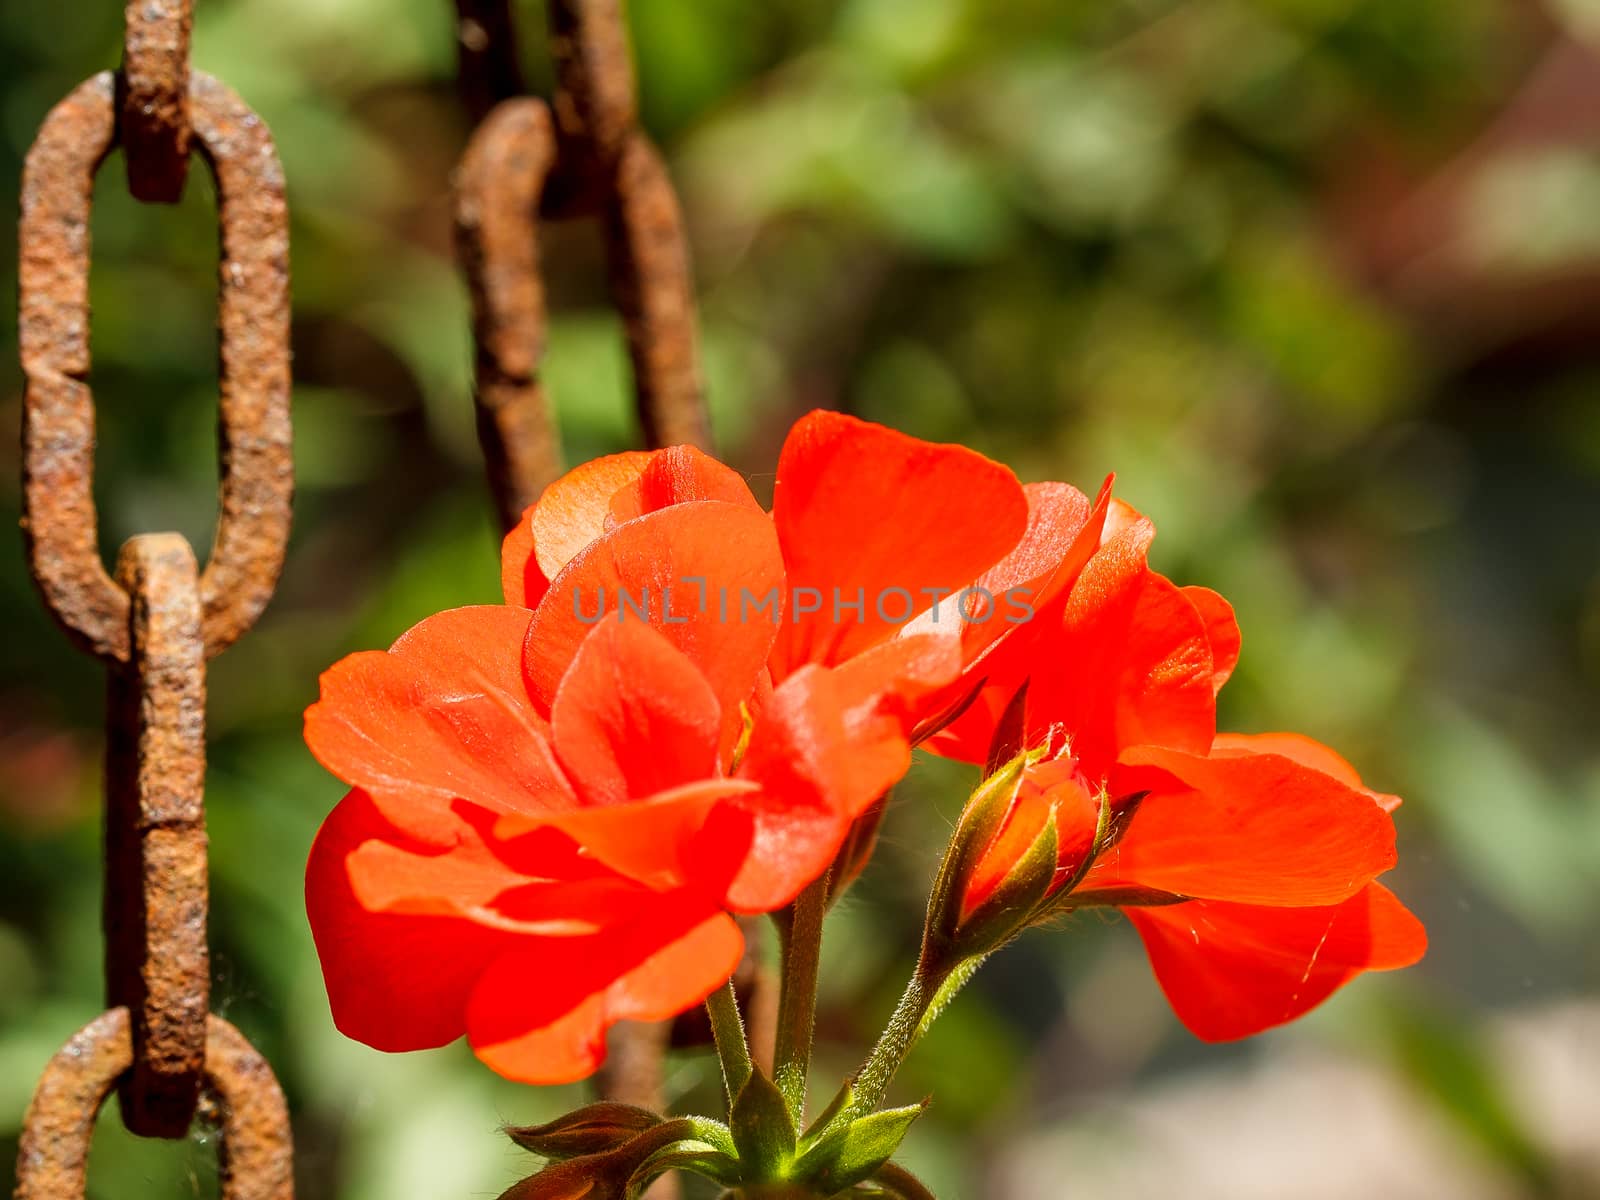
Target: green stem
{"x":797,"y":1001}
{"x":926,"y":996}
{"x":727,"y":1028}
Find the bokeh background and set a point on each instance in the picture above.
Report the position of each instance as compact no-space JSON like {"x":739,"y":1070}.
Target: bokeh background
{"x":1320,"y":279}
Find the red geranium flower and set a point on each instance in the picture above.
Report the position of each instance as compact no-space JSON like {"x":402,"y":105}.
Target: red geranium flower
{"x":529,"y":869}
{"x":1247,"y":864}
{"x":558,"y":802}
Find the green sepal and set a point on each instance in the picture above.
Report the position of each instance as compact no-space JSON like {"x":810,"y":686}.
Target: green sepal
{"x":592,"y":1129}
{"x":841,"y":1103}
{"x":701,"y":1158}
{"x":763,"y":1131}
{"x":1015,"y":900}
{"x":852,"y":1153}
{"x":981,"y":820}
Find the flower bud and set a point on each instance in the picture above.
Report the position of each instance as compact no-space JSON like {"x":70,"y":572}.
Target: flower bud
{"x":1030,"y":828}
{"x":593,"y":1129}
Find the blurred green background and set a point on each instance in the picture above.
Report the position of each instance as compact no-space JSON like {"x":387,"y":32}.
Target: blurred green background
{"x":1320,"y":279}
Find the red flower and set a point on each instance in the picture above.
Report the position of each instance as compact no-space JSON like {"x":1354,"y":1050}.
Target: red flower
{"x":558,"y":802}
{"x":1247,"y":864}
{"x":527,"y":868}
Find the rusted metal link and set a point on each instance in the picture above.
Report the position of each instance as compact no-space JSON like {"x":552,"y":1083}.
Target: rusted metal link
{"x":652,"y":288}
{"x":595,"y":105}
{"x":155,"y":898}
{"x":487,"y":70}
{"x":243,"y":1098}
{"x":498,"y":186}
{"x":59,"y":522}
{"x":155,"y":97}
{"x":580,"y":155}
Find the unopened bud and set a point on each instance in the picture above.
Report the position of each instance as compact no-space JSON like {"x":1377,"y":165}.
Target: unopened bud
{"x":1029,"y":829}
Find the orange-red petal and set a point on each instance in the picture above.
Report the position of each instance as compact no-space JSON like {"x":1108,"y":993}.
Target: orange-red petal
{"x":678,"y":475}
{"x":1231,"y":970}
{"x":540,"y":1016}
{"x":684,"y":571}
{"x":444,"y":713}
{"x":1253,"y":829}
{"x":1305,"y":751}
{"x":576,"y":509}
{"x":633,"y":716}
{"x":822,"y":753}
{"x":693,"y":837}
{"x":522,"y":581}
{"x":1222,"y":630}
{"x":1130,"y":663}
{"x":867,"y":513}
{"x":371,"y":958}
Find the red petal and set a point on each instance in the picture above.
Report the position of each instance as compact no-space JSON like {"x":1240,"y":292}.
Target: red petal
{"x":633,"y":717}
{"x":443,"y":714}
{"x":1042,"y":563}
{"x":1230,"y":970}
{"x":862,"y":510}
{"x":540,"y":1016}
{"x":828,"y":744}
{"x":1254,"y":829}
{"x":522,"y":582}
{"x":693,"y":837}
{"x":1130,"y":665}
{"x":678,"y":475}
{"x":1063,"y":531}
{"x":655,"y":559}
{"x":890,"y":689}
{"x":576,"y":509}
{"x":1221,"y":629}
{"x":370,"y":958}
{"x":1306,"y":752}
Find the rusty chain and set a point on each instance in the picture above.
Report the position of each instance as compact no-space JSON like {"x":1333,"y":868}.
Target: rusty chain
{"x":157,"y":622}
{"x":582,"y":154}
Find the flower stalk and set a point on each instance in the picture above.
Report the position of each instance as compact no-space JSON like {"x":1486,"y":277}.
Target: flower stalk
{"x":801,"y":936}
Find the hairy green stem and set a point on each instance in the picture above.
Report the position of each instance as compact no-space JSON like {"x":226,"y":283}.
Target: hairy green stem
{"x":797,"y":1002}
{"x":871,"y":1082}
{"x":727,"y":1028}
{"x":927,"y":995}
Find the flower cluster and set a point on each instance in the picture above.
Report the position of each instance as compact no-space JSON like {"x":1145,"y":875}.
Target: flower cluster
{"x":689,"y":707}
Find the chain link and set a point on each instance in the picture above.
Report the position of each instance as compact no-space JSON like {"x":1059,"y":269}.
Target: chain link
{"x":157,"y":622}
{"x":59,"y":522}
{"x":155,"y":98}
{"x":242,"y":1097}
{"x":580,"y":155}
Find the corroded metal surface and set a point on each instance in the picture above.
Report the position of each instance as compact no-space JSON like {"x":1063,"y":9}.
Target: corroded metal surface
{"x":498,"y":185}
{"x":155,"y":97}
{"x":581,"y":155}
{"x":158,"y":621}
{"x":243,"y":1098}
{"x":155,"y":900}
{"x":651,"y":284}
{"x":59,"y":521}
{"x":595,"y":106}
